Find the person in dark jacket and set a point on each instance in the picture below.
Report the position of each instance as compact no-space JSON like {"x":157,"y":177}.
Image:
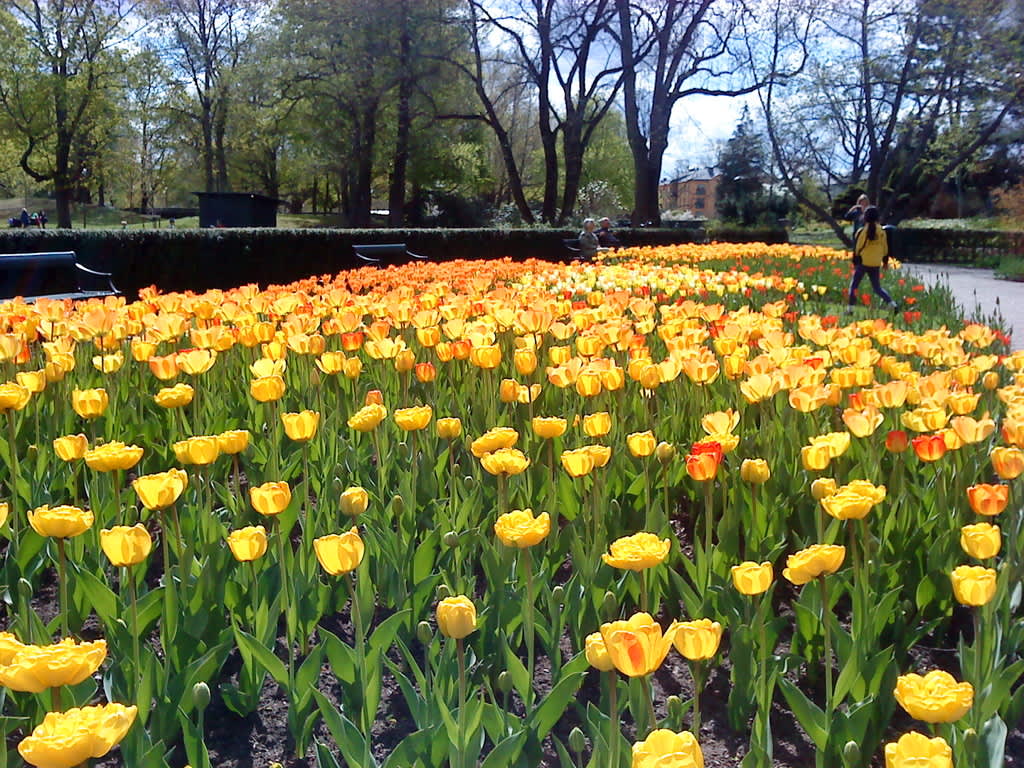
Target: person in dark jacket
{"x":25,"y":218}
{"x":605,"y":236}
{"x":856,"y":213}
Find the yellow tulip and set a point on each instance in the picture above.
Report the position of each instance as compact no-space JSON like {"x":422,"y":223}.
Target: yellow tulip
{"x":973,"y":585}
{"x":698,"y":640}
{"x":597,"y":424}
{"x":340,"y":553}
{"x":200,"y":450}
{"x":578,"y":462}
{"x":63,"y":522}
{"x":37,"y":668}
{"x":233,"y":441}
{"x":71,"y":738}
{"x":548,"y":427}
{"x":109,"y":457}
{"x":456,"y":617}
{"x":749,"y":578}
{"x":637,"y":552}
{"x":367,"y":418}
{"x":597,"y":654}
{"x":915,"y":750}
{"x":981,"y":540}
{"x":934,"y":698}
{"x":641,"y":444}
{"x":124,"y":545}
{"x":449,"y":428}
{"x":70,"y":447}
{"x":665,"y":749}
{"x":301,"y":427}
{"x":174,"y":397}
{"x":755,"y":471}
{"x":493,"y":440}
{"x":271,"y":498}
{"x":89,"y":403}
{"x":519,"y":528}
{"x":354,"y":501}
{"x":160,"y":490}
{"x":505,"y":461}
{"x":638,"y":646}
{"x":415,"y":418}
{"x":249,"y":543}
{"x":267,"y":388}
{"x":812,"y":562}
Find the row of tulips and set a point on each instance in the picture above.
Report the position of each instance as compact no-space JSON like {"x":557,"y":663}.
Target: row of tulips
{"x":356,"y":461}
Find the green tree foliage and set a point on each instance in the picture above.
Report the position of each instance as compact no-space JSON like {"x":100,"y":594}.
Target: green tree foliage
{"x":61,"y":63}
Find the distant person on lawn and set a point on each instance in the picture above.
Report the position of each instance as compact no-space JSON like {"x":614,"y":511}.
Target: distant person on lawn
{"x":605,"y":236}
{"x":870,"y":254}
{"x":25,"y":218}
{"x":589,"y":244}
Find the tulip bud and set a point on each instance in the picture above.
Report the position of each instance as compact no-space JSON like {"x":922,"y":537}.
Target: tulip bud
{"x":424,"y":632}
{"x":610,"y":605}
{"x":971,"y":741}
{"x":505,"y":682}
{"x":451,"y":539}
{"x":558,"y":595}
{"x":468,"y":482}
{"x":201,"y":696}
{"x":577,"y":741}
{"x":33,"y":449}
{"x":675,"y":708}
{"x":442,"y":592}
{"x":397,"y":505}
{"x":665,"y":452}
{"x":851,"y":755}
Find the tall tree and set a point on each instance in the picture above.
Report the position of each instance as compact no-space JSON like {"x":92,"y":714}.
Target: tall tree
{"x":204,"y":40}
{"x":564,"y":50}
{"x":674,"y":49}
{"x":901,"y":98}
{"x":741,"y":163}
{"x":59,"y":61}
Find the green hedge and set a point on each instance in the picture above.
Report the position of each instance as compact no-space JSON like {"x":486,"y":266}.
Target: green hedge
{"x":200,"y":259}
{"x":957,"y":246}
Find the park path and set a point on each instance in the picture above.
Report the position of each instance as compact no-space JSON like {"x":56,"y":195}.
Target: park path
{"x":973,"y":287}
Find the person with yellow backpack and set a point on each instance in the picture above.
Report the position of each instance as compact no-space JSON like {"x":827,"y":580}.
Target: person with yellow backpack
{"x":870,"y":254}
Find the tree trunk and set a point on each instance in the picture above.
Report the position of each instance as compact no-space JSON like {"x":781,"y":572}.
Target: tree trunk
{"x":361,"y":180}
{"x":220,"y":153}
{"x":572,"y":151}
{"x":207,"y":127}
{"x":396,"y":193}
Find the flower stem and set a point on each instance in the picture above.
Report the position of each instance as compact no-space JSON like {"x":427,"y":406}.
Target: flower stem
{"x":12,"y":448}
{"x":614,"y":734}
{"x":652,"y":718}
{"x":62,"y":568}
{"x":461,"y":746}
{"x":366,"y":717}
{"x":827,"y":657}
{"x":528,"y":628}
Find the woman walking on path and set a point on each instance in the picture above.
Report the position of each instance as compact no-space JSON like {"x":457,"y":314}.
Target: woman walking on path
{"x":870,"y":254}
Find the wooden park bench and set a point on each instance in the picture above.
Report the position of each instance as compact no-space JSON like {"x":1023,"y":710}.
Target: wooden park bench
{"x":380,"y":253}
{"x":51,"y":275}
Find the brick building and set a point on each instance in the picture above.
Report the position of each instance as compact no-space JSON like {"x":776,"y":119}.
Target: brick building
{"x":693,"y":191}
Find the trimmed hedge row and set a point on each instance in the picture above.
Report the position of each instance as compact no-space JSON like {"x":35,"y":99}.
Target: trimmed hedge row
{"x":201,"y":259}
{"x":960,"y":246}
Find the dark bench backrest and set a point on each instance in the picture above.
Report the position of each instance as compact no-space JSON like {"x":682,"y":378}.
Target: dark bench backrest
{"x":381,"y":250}
{"x":38,"y":274}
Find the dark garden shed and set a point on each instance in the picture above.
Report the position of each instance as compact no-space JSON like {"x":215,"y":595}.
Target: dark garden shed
{"x":237,"y":209}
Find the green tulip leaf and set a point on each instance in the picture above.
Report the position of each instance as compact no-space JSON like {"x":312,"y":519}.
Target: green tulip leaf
{"x":256,"y":654}
{"x":808,"y":714}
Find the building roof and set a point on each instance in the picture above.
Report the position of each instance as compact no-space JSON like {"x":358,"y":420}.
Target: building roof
{"x":238,"y":195}
{"x":707,"y":173}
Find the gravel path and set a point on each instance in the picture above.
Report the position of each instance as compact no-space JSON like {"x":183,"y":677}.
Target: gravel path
{"x":979,"y":292}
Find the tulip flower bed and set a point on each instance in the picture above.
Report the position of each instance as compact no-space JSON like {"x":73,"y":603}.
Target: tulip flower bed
{"x":666,"y":509}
